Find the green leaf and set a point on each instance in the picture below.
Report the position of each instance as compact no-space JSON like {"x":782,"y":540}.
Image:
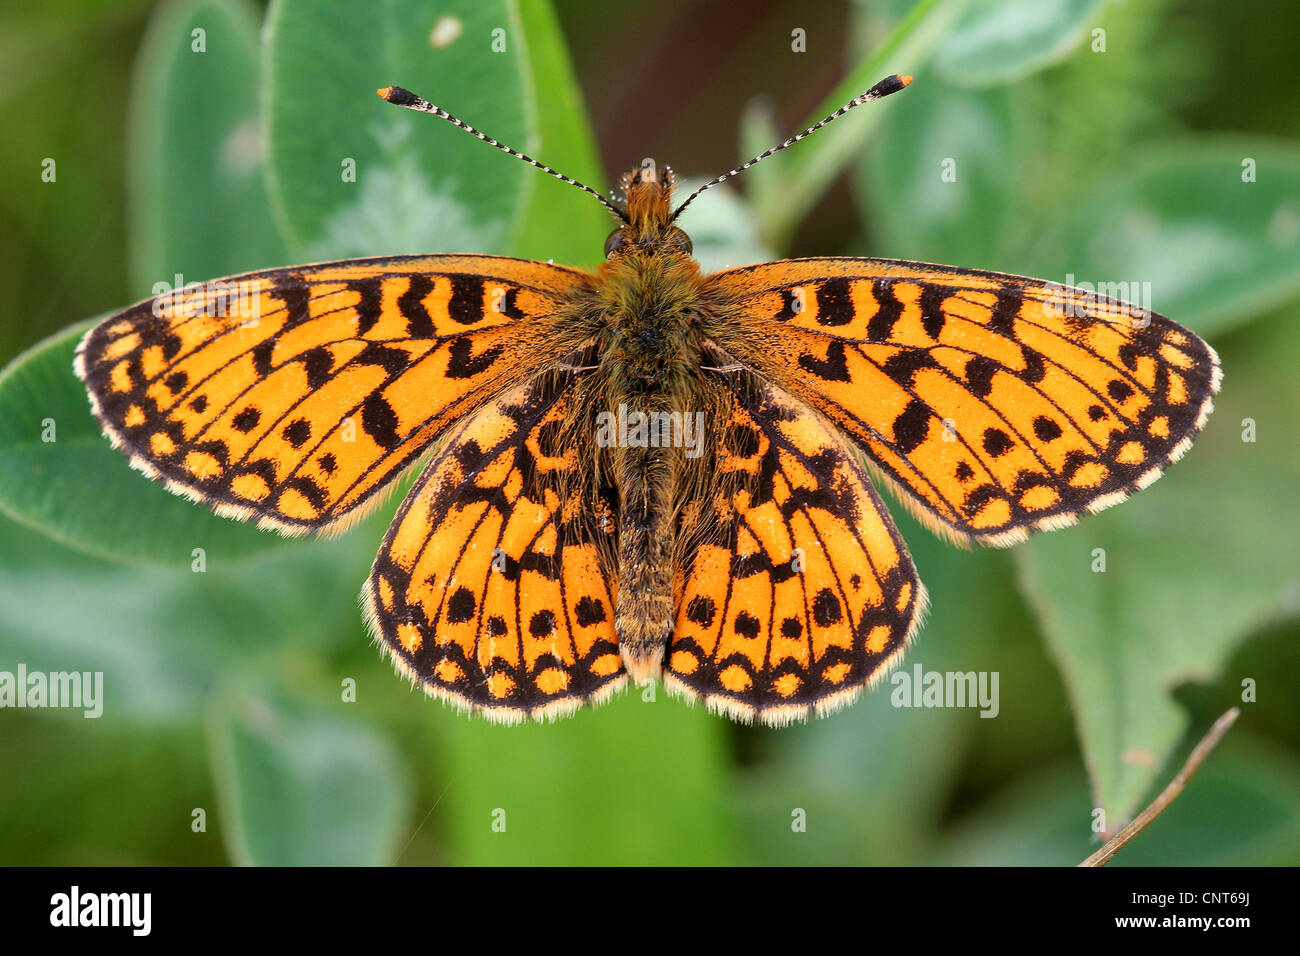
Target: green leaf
{"x":1192,"y":566}
{"x":1241,"y":809}
{"x":80,"y":490}
{"x":69,"y":612}
{"x":302,"y":785}
{"x":722,"y":228}
{"x":758,"y":133}
{"x":1215,"y":248}
{"x":937,"y":179}
{"x":630,"y":783}
{"x":1000,"y":41}
{"x":561,"y":223}
{"x":156,"y":779}
{"x":162,"y":638}
{"x":421,"y":186}
{"x":195,"y":149}
{"x":809,"y":171}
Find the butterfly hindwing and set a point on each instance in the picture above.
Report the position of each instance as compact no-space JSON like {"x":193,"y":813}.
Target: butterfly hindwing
{"x":491,"y":586}
{"x":805,"y":590}
{"x":998,"y":405}
{"x":293,"y":396}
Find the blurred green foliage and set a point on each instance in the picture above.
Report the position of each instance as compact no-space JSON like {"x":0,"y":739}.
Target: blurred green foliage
{"x":1091,"y":141}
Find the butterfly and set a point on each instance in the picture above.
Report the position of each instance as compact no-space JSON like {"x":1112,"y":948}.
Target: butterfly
{"x":647,"y":472}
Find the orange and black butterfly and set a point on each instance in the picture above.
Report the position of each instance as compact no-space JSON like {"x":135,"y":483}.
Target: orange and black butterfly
{"x":647,"y":472}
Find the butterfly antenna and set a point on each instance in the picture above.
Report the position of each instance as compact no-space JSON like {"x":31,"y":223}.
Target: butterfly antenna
{"x":890,"y":84}
{"x":400,"y":97}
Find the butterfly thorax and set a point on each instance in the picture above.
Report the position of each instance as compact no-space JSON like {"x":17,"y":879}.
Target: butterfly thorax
{"x":649,"y":291}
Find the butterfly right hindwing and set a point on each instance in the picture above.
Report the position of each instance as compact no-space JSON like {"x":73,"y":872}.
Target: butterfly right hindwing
{"x":806,"y":592}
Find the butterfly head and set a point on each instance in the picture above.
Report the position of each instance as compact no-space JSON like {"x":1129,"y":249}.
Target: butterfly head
{"x":647,"y":194}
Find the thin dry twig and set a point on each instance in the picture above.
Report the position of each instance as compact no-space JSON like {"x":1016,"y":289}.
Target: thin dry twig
{"x":1169,"y":794}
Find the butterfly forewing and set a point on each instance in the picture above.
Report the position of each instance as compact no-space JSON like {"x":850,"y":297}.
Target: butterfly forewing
{"x":996,"y":404}
{"x":293,"y":396}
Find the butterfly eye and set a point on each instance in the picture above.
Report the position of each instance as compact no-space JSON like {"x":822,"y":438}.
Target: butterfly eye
{"x":616,"y":241}
{"x":681,"y":241}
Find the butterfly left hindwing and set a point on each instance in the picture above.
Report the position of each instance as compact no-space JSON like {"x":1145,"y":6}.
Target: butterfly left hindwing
{"x":492,"y":586}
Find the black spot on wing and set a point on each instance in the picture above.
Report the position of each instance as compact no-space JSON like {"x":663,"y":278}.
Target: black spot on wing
{"x":1046,"y":429}
{"x":542,"y":624}
{"x":903,"y":365}
{"x":589,"y":611}
{"x":295,"y":295}
{"x":1035,"y":368}
{"x":462,"y":364}
{"x":834,"y":368}
{"x":246,"y":419}
{"x":996,"y":442}
{"x":911,"y":426}
{"x":391,"y":360}
{"x":789,"y":299}
{"x":370,"y":304}
{"x":932,"y":317}
{"x":1119,"y":390}
{"x":979,"y":375}
{"x":700,"y":610}
{"x":1005,"y":310}
{"x":297,"y":432}
{"x":508,"y":307}
{"x":379,"y":420}
{"x":826,"y":608}
{"x":888,"y":311}
{"x":466,"y":303}
{"x":261,"y":354}
{"x":419,"y":324}
{"x":834,"y":302}
{"x":747,"y":625}
{"x":319,"y":364}
{"x":461,"y":606}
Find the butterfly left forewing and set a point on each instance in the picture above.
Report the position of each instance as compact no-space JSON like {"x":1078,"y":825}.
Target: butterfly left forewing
{"x":996,"y":405}
{"x":293,"y":396}
{"x":802,"y":592}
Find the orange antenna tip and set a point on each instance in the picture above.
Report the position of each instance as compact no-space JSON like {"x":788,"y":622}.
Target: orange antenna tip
{"x":400,"y":97}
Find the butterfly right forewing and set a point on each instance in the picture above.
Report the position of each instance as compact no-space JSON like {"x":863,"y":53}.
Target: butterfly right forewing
{"x":996,"y":405}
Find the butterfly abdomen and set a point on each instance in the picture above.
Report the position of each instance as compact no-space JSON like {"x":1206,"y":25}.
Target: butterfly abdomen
{"x":650,"y":359}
